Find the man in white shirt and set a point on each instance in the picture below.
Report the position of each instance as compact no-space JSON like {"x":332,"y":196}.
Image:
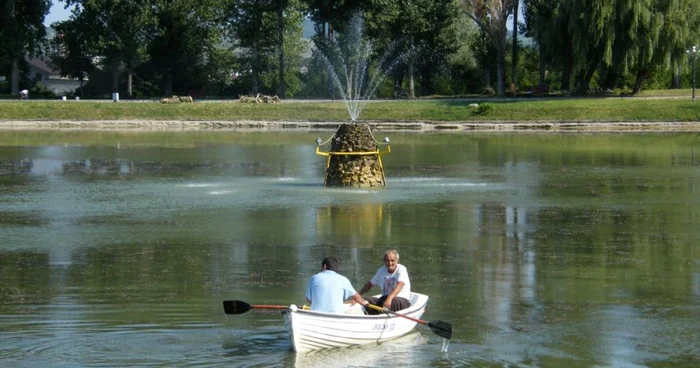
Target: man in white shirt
{"x":24,"y":94}
{"x":395,"y":284}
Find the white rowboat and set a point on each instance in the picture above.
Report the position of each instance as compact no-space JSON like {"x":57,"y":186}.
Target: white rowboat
{"x":311,"y":330}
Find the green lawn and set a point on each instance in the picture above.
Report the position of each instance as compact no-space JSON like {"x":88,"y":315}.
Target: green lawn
{"x":522,"y":109}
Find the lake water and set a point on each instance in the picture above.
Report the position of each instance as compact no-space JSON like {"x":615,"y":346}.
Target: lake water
{"x":117,"y":248}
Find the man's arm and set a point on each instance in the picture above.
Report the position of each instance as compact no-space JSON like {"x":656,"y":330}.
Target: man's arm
{"x":366,"y":288}
{"x":308,"y":293}
{"x":357,"y":298}
{"x":392,"y":294}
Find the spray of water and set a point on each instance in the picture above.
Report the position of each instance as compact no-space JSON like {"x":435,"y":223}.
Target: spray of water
{"x":445,"y":345}
{"x":349,"y":61}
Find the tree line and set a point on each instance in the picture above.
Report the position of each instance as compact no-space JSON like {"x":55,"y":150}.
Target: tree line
{"x":442,"y":47}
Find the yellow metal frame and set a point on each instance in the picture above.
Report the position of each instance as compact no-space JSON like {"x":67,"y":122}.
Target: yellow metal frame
{"x":331,"y":153}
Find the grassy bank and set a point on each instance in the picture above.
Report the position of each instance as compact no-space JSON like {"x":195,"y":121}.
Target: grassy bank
{"x":524,"y":110}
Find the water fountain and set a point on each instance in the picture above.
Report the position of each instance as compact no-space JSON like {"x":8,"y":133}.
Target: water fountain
{"x":354,"y":159}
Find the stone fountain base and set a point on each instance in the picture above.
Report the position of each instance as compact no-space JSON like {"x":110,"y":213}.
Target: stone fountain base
{"x":354,"y":169}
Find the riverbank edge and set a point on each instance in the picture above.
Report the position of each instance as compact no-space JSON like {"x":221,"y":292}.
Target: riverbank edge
{"x":418,"y":126}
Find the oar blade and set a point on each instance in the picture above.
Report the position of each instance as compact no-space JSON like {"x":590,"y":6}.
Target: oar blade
{"x":236,"y":307}
{"x":440,"y":328}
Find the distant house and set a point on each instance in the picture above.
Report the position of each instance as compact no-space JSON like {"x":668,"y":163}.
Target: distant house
{"x":40,"y":71}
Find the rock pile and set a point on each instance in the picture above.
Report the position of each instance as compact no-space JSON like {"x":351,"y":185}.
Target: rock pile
{"x":359,"y":171}
{"x":177,"y":99}
{"x":260,"y":99}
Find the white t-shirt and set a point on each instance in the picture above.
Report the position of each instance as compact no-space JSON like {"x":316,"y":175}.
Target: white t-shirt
{"x":387,"y":281}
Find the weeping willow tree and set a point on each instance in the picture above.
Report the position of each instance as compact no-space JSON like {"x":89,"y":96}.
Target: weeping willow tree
{"x":681,"y":30}
{"x":632,"y":23}
{"x":592,"y":29}
{"x":648,"y":23}
{"x":612,"y":39}
{"x":650,"y":37}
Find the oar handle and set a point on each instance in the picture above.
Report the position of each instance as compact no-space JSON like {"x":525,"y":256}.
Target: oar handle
{"x":269,"y":306}
{"x":385,"y":310}
{"x":240,"y":307}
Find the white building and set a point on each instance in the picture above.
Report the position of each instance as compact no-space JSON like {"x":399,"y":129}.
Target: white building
{"x":42,"y":72}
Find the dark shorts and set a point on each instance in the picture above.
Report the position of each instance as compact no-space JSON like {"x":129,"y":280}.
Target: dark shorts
{"x":396,"y":305}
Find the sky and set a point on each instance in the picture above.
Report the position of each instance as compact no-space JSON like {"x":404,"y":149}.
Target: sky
{"x":57,"y":13}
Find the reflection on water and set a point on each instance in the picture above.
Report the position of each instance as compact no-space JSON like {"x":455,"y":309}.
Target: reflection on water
{"x":405,"y":351}
{"x":540,"y":250}
{"x":357,"y":224}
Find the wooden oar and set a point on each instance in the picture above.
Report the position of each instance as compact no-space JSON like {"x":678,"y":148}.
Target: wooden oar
{"x":440,"y":328}
{"x":239,"y":307}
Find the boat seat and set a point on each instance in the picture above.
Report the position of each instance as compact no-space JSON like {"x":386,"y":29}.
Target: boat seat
{"x":355,"y":309}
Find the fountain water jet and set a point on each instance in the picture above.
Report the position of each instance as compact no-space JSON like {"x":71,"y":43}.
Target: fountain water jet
{"x":349,"y":61}
{"x":354,"y":159}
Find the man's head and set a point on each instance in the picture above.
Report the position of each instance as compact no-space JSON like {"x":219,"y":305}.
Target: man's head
{"x":391,"y":260}
{"x":330,"y":264}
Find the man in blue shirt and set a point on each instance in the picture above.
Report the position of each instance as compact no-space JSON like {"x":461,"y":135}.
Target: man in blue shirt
{"x":327,"y":290}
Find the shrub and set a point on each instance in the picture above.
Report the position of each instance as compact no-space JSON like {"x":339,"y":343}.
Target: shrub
{"x":483,"y":109}
{"x":39,"y":90}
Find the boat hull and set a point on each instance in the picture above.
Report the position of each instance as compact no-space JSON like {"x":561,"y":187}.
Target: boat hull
{"x":310,"y":330}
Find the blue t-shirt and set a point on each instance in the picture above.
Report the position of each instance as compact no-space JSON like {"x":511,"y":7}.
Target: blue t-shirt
{"x":328,"y":290}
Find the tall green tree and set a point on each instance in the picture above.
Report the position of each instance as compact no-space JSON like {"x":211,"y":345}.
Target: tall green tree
{"x":491,"y":17}
{"x":331,"y":17}
{"x":70,"y":52}
{"x":435,"y":44}
{"x":253,"y":25}
{"x":485,"y":55}
{"x":539,"y":18}
{"x":281,"y":7}
{"x":290,"y":46}
{"x":563,"y":49}
{"x":266,"y":36}
{"x":514,"y":54}
{"x":383,"y":28}
{"x":22,"y":34}
{"x":115,"y":31}
{"x":591,"y":24}
{"x":463,"y":71}
{"x":646,"y":24}
{"x":183,"y":36}
{"x":419,"y":34}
